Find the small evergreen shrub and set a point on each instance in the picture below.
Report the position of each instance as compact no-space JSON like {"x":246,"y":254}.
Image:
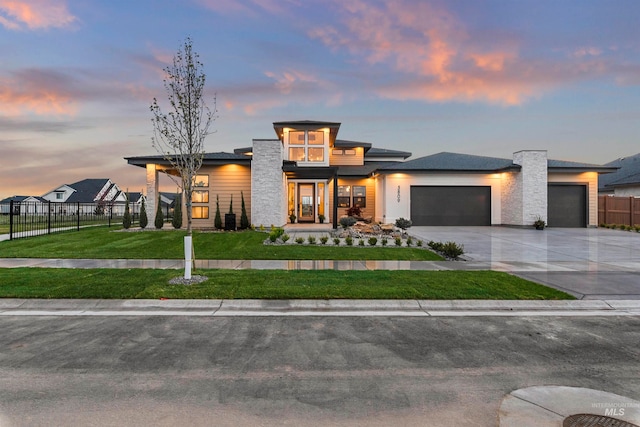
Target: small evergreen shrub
{"x":336,"y":241}
{"x":403,"y":223}
{"x":126,"y":218}
{"x":158,"y":221}
{"x":144,"y":220}
{"x":285,"y":238}
{"x":349,"y":241}
{"x":217,"y":222}
{"x":384,"y":241}
{"x":419,"y":243}
{"x":347,"y":221}
{"x":452,"y":250}
{"x":409,"y":241}
{"x":373,"y":241}
{"x":311,"y":240}
{"x":398,"y":241}
{"x":176,"y":221}
{"x":324,"y":240}
{"x":361,"y":242}
{"x":262,"y":228}
{"x":244,"y":219}
{"x":299,"y":240}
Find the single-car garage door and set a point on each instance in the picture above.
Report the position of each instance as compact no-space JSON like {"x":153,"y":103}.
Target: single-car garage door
{"x":446,"y":205}
{"x":567,"y":205}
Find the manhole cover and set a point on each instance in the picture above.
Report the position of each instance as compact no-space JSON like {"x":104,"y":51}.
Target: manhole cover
{"x":588,"y":420}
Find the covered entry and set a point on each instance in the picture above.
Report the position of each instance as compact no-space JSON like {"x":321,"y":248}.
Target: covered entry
{"x":451,"y":205}
{"x":567,"y":205}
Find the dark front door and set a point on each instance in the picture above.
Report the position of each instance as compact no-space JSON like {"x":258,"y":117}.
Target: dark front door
{"x":451,"y":205}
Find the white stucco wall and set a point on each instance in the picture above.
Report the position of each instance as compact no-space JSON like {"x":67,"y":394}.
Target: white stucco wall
{"x":396,"y":202}
{"x":268,"y":188}
{"x":630,"y":191}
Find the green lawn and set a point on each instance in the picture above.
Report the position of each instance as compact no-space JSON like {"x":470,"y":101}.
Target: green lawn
{"x":107,"y":243}
{"x":269,"y":284}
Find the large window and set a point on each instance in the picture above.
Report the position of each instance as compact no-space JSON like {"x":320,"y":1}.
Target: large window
{"x":307,"y":146}
{"x":200,"y":212}
{"x":201,"y":181}
{"x":200,"y":196}
{"x":352,"y":196}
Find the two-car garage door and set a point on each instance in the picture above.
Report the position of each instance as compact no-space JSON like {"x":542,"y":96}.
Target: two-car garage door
{"x":451,"y":205}
{"x":471,"y":205}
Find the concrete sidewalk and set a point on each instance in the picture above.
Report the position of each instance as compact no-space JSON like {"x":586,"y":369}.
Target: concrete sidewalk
{"x":362,"y":308}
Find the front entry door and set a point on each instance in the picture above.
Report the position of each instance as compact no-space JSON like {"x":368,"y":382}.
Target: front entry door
{"x":306,"y":212}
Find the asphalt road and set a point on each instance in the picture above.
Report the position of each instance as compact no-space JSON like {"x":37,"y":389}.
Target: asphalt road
{"x":373,"y":371}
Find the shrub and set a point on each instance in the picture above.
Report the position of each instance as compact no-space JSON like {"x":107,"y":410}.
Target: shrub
{"x":419,"y":243}
{"x":336,"y":241}
{"x":244,"y":220}
{"x":349,"y":241}
{"x":321,"y":218}
{"x":409,"y":241}
{"x":231,"y":206}
{"x":373,"y":241}
{"x":347,"y":221}
{"x":360,"y":242}
{"x":261,"y":228}
{"x":398,"y":241}
{"x":126,"y":218}
{"x":144,"y":220}
{"x":285,"y":238}
{"x":275,"y":233}
{"x":384,"y":241}
{"x":324,"y":240}
{"x":176,"y":221}
{"x":311,"y":240}
{"x":158,"y":221}
{"x":452,"y":250}
{"x":436,"y":246}
{"x":403,"y":223}
{"x":354,"y":211}
{"x":299,"y":240}
{"x":217,"y":223}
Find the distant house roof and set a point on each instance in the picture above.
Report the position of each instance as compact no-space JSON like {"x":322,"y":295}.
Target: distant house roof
{"x":20,"y":199}
{"x":628,"y":172}
{"x":87,"y":190}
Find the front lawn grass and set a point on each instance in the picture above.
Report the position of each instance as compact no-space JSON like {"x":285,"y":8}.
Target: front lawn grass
{"x":269,"y":284}
{"x":110,"y":243}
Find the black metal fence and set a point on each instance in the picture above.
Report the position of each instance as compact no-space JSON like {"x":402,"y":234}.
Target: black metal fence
{"x":27,"y":219}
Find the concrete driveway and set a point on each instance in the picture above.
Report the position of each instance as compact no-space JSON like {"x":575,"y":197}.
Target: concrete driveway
{"x":590,"y":263}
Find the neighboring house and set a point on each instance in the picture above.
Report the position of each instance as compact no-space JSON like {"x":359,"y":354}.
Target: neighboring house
{"x":625,"y":181}
{"x":90,"y":191}
{"x":28,"y":204}
{"x":310,"y":173}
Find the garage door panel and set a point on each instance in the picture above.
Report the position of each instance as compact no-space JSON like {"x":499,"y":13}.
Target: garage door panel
{"x":567,"y":205}
{"x":451,"y":205}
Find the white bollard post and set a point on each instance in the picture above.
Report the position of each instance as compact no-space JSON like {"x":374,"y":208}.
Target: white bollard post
{"x":187,"y":257}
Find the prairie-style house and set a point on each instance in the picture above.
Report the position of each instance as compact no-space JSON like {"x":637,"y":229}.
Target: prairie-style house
{"x":309,"y":173}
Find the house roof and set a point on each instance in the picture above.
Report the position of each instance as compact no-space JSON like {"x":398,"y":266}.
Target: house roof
{"x":560,"y":165}
{"x":383,"y":152}
{"x":452,"y":162}
{"x":628,"y":172}
{"x":20,"y":199}
{"x":307,"y":125}
{"x":208,"y":159}
{"x":86,"y":190}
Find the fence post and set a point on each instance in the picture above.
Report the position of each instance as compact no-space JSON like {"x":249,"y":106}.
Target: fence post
{"x":631,"y":212}
{"x":11,"y":220}
{"x":78,"y":214}
{"x":49,"y":217}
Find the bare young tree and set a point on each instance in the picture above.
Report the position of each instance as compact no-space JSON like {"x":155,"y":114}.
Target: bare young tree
{"x":179,"y":135}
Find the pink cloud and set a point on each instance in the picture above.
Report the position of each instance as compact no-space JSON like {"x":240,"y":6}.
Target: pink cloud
{"x":36,"y":91}
{"x":432,"y":56}
{"x":34,"y":14}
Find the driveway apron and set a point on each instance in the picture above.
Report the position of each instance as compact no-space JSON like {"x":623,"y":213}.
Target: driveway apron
{"x":589,"y":263}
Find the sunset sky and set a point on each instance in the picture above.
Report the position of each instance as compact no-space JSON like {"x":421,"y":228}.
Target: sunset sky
{"x":469,"y":76}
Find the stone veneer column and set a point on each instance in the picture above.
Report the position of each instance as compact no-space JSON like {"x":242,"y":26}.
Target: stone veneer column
{"x":268,"y":192}
{"x":533,"y":179}
{"x":152,"y":191}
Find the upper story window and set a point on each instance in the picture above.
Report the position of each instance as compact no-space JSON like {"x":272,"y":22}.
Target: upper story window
{"x":201,"y":181}
{"x":307,"y":146}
